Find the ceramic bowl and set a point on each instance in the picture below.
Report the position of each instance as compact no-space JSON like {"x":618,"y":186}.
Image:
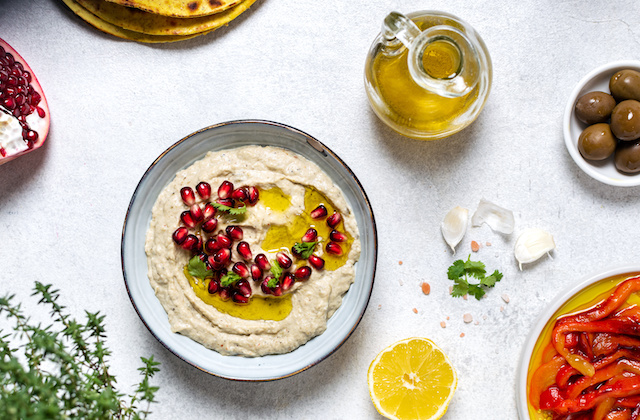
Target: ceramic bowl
{"x":134,"y":264}
{"x":597,"y":80}
{"x":549,"y":315}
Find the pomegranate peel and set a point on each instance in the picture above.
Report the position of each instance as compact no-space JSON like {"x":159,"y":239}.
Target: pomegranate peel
{"x":24,"y":113}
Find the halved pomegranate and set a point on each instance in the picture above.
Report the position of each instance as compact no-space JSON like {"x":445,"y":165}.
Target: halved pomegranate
{"x":24,"y":114}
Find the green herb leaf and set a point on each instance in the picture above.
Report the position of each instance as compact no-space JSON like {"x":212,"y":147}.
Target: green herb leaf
{"x":197,"y":268}
{"x":304,"y":249}
{"x":234,"y":211}
{"x":462,"y":271}
{"x":276,"y":270}
{"x":273,"y":282}
{"x":229,"y":279}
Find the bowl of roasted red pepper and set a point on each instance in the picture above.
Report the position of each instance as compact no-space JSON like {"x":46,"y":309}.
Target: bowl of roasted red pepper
{"x":582,"y":357}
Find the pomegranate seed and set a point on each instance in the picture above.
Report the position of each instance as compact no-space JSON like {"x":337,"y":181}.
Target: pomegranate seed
{"x":9,"y":103}
{"x":244,"y":288}
{"x":262,"y":262}
{"x":210,"y":225}
{"x":209,"y":211}
{"x":211,"y":246}
{"x":188,"y":196}
{"x":319,"y":212}
{"x":225,"y":189}
{"x":224,"y":241}
{"x":226,"y":202}
{"x":196,"y":213}
{"x":264,"y":285}
{"x":225,"y":293}
{"x":234,"y":232}
{"x":303,"y":273}
{"x":337,"y":236}
{"x":35,"y":99}
{"x":277,"y":291}
{"x":244,"y":250}
{"x":213,"y":263}
{"x":254,"y":195}
{"x":238,"y":298}
{"x":180,"y":235}
{"x":334,"y":219}
{"x":41,"y":112}
{"x":241,"y":269}
{"x":287,"y":281}
{"x":316,"y":262}
{"x":214,"y":286}
{"x":190,"y":242}
{"x":187,"y":219}
{"x":310,"y":236}
{"x":334,"y":248}
{"x":256,"y":272}
{"x":222,"y":256}
{"x":240,"y":194}
{"x":204,"y":190}
{"x":283,"y":260}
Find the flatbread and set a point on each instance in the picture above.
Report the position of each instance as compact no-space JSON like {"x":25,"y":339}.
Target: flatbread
{"x":179,"y":8}
{"x":109,"y":28}
{"x":149,"y":23}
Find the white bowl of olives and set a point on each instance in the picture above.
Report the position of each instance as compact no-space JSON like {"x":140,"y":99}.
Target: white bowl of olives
{"x":602,"y":124}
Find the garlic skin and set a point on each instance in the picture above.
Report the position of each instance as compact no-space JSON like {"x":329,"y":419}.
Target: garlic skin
{"x":532,"y":244}
{"x":454,"y":226}
{"x":499,"y":219}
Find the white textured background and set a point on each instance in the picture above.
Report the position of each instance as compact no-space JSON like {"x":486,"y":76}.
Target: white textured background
{"x":116,"y":105}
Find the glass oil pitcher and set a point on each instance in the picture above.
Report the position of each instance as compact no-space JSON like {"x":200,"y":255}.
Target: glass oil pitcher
{"x":428,"y":74}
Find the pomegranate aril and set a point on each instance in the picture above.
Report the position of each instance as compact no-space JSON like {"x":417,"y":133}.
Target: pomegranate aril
{"x":210,"y":225}
{"x":240,"y":194}
{"x":41,"y":112}
{"x":237,"y":297}
{"x":31,"y":136}
{"x":188,"y":197}
{"x":204,"y":190}
{"x":9,"y":103}
{"x":244,"y":250}
{"x":244,"y":288}
{"x":224,"y":241}
{"x":256,"y":272}
{"x":241,"y":269}
{"x":226,"y":202}
{"x":222,"y":256}
{"x":225,"y":293}
{"x":287,"y":281}
{"x":316,"y":262}
{"x":319,"y":212}
{"x":211,"y":246}
{"x":190,"y":242}
{"x":264,"y":285}
{"x":337,"y":236}
{"x":310,"y":236}
{"x":225,"y":189}
{"x":277,"y":291}
{"x":35,"y":99}
{"x":187,"y":219}
{"x":180,"y":235}
{"x":254,"y":195}
{"x":334,"y":248}
{"x":284,"y":260}
{"x":263,"y":262}
{"x":302,"y":273}
{"x":209,"y":211}
{"x":196,"y":213}
{"x":214,"y":286}
{"x":235,"y":232}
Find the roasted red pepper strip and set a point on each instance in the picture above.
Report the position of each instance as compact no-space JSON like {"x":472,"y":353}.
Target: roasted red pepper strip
{"x":629,"y":402}
{"x":623,"y":365}
{"x":620,"y":386}
{"x":543,"y":378}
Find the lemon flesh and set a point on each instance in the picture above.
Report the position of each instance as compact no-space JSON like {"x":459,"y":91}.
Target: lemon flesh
{"x":412,"y":380}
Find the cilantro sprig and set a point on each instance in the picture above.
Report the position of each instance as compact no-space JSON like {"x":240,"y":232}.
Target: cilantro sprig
{"x":197,"y":268}
{"x":229,"y":279}
{"x":276,"y":270}
{"x":234,"y":211}
{"x":304,"y":249}
{"x":461,"y":272}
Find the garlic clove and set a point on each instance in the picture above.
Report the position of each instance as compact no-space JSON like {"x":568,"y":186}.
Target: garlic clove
{"x":454,"y":226}
{"x":532,"y":244}
{"x":499,"y":219}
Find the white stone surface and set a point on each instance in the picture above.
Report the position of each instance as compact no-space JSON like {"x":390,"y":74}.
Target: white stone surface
{"x":116,"y":105}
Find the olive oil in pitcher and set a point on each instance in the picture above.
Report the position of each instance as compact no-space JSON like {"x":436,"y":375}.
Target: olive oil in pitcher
{"x":427,"y":75}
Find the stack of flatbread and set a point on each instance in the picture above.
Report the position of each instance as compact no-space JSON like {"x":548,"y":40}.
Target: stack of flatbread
{"x":158,"y":20}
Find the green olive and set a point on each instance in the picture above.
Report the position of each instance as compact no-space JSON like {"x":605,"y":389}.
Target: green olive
{"x":627,"y":158}
{"x":625,"y":120}
{"x":597,"y":142}
{"x":595,"y":107}
{"x":625,"y":84}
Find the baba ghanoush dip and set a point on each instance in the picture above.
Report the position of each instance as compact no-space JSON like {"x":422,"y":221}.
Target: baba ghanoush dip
{"x":250,"y":250}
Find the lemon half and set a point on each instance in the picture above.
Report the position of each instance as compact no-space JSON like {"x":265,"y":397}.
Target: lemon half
{"x":412,"y":380}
